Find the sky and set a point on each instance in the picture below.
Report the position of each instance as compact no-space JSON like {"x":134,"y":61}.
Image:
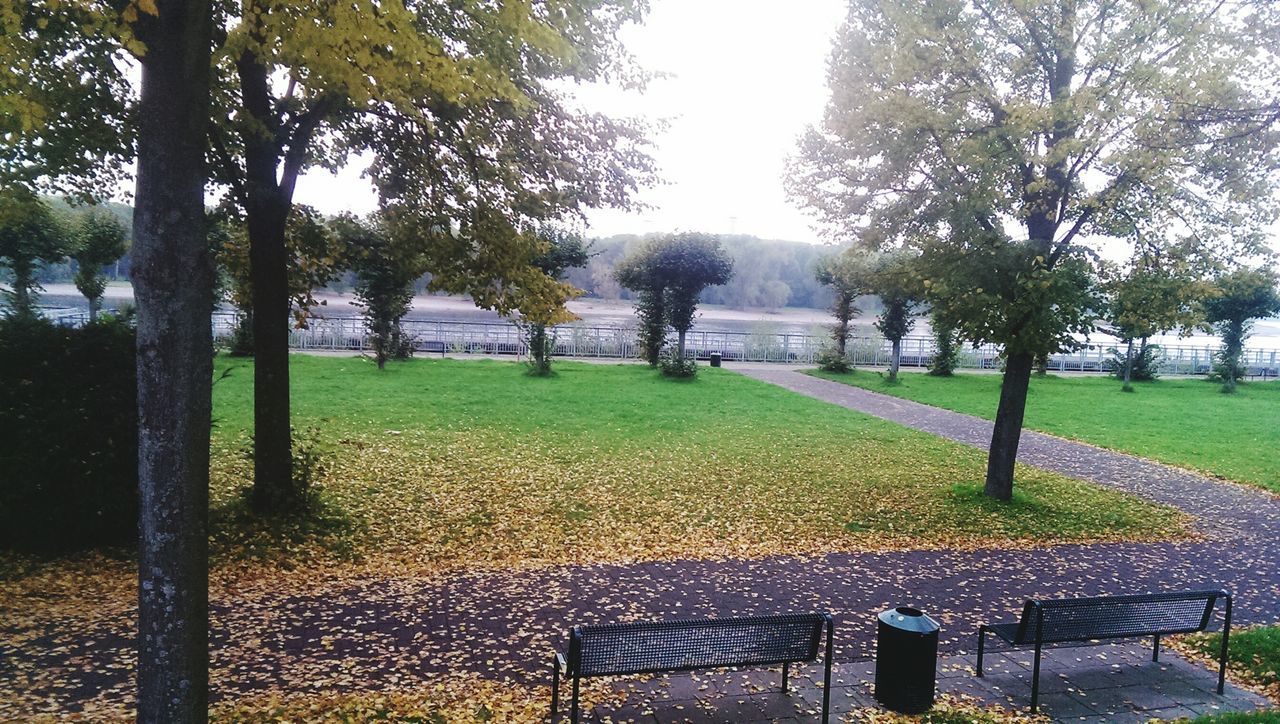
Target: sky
{"x":744,"y":79}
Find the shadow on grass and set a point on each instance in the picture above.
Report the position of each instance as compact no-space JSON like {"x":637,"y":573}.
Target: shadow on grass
{"x":319,"y":530}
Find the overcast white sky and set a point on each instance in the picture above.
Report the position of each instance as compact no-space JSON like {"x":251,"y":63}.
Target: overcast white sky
{"x":746,"y":77}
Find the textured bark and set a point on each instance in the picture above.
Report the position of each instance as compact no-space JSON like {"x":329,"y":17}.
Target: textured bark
{"x":272,"y":442}
{"x":173,"y":279}
{"x":895,"y":360}
{"x":266,"y":211}
{"x":1008,"y":426}
{"x":1128,"y":364}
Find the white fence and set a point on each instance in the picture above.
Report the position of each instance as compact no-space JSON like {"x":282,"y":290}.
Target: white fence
{"x":619,"y":342}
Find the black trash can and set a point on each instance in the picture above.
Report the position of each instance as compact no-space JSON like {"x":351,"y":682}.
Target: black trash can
{"x":906,"y":660}
{"x":715,"y":359}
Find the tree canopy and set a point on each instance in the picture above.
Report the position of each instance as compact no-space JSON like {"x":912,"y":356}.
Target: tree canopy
{"x":99,"y":238}
{"x":1240,"y":297}
{"x":676,"y":267}
{"x":30,"y":234}
{"x":459,"y":106}
{"x":1003,"y":139}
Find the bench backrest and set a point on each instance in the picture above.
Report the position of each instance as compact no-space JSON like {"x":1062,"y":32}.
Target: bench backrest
{"x":1078,"y":619}
{"x":686,"y":644}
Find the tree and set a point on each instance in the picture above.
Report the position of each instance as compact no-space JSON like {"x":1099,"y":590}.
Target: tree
{"x":563,"y":250}
{"x":316,"y":258}
{"x":30,"y":234}
{"x":1242,"y":296}
{"x":687,"y":263}
{"x":385,"y":270}
{"x":1160,"y":291}
{"x":69,"y":121}
{"x":893,"y":279}
{"x":456,"y":106}
{"x":173,"y":282}
{"x":999,"y":137}
{"x":638,"y":272}
{"x":946,"y":352}
{"x":100,"y":239}
{"x":847,"y":274}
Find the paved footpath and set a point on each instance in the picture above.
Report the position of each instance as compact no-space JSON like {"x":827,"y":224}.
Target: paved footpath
{"x":500,"y":625}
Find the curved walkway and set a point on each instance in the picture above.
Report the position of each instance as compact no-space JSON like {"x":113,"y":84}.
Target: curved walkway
{"x":500,"y":624}
{"x":1227,"y":511}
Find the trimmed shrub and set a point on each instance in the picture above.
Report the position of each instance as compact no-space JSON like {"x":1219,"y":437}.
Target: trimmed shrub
{"x":832,"y":360}
{"x":673,"y":365}
{"x":1146,"y":363}
{"x":68,"y":435}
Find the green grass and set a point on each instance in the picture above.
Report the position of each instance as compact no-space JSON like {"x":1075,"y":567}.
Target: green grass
{"x":1184,"y":422}
{"x":441,"y":463}
{"x":1254,"y":656}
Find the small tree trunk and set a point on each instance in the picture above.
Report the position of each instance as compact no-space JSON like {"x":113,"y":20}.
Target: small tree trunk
{"x":1231,"y":363}
{"x":94,"y":304}
{"x":1128,"y":364}
{"x":680,"y":344}
{"x":23,"y":281}
{"x":173,"y":279}
{"x":895,"y":360}
{"x":1007,"y":430}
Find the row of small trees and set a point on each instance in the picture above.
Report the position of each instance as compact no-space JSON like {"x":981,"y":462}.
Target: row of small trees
{"x":32,"y":233}
{"x":1157,"y":293}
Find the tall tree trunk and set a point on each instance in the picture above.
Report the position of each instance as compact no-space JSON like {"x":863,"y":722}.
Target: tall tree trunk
{"x":272,"y":442}
{"x":1008,"y":426}
{"x":895,"y":360}
{"x":173,"y":279}
{"x":266,"y":211}
{"x":1128,"y":364}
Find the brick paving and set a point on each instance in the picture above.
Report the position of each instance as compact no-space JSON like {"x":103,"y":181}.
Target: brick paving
{"x":1112,"y":683}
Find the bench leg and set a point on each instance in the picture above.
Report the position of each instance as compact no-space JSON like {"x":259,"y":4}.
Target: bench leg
{"x":1155,"y":649}
{"x":555,"y":686}
{"x":573,"y":717}
{"x":1222,"y":656}
{"x":1035,"y":681}
{"x":982,"y":638}
{"x":826,"y":677}
{"x":784,"y":676}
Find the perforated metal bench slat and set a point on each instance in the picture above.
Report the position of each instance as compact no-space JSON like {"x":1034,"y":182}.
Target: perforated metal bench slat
{"x":1063,"y":622}
{"x":682,"y":645}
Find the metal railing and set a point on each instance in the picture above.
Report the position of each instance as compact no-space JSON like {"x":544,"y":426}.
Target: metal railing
{"x":619,"y":342}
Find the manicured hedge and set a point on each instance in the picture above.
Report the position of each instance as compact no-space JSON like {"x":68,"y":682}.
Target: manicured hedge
{"x":68,"y":435}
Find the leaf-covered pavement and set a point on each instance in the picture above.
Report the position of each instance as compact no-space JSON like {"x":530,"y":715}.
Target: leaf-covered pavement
{"x":463,"y":633}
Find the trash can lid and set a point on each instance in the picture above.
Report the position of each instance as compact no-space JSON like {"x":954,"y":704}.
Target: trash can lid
{"x":907,"y":618}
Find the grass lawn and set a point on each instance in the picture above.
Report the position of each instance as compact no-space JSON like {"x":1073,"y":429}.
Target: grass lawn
{"x":1254,"y":655}
{"x":442,"y":463}
{"x":1184,"y":422}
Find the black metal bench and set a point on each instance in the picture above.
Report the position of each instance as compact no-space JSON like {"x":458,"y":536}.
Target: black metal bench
{"x":1082,"y":620}
{"x":688,"y":644}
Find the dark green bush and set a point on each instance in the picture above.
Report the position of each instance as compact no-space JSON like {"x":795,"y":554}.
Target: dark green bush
{"x":68,"y":435}
{"x":1146,"y":363}
{"x":673,"y":365}
{"x":831,"y":360}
